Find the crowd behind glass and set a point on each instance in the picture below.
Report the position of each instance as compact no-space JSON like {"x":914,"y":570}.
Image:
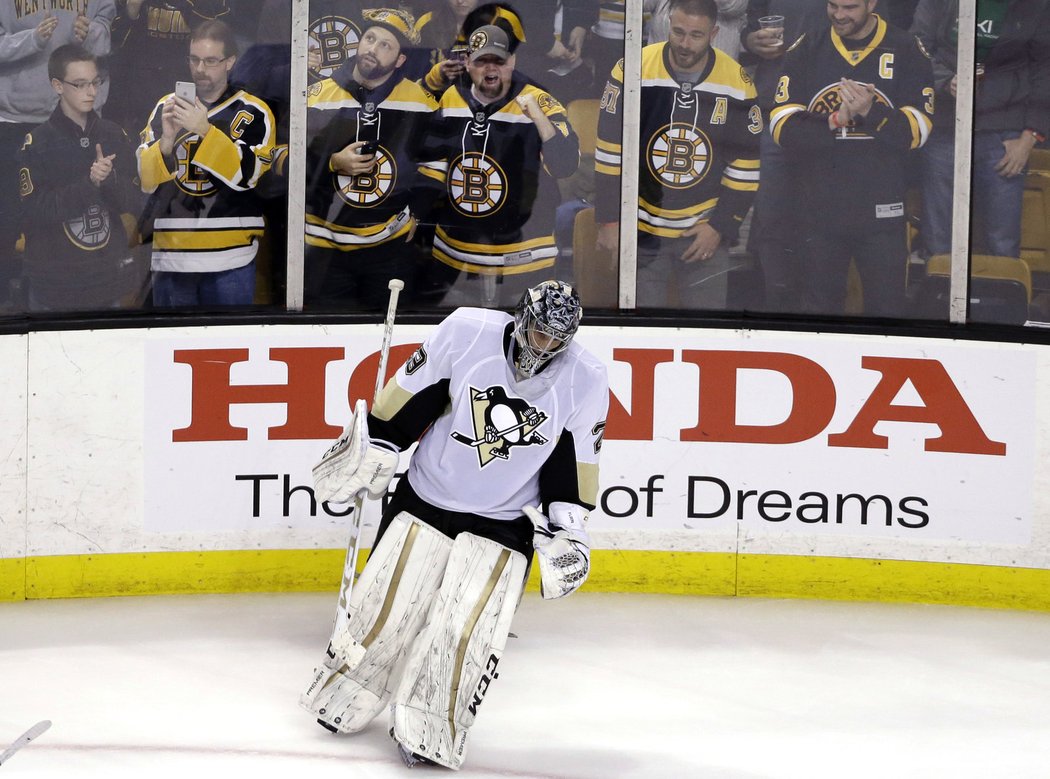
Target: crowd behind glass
{"x":795,"y":157}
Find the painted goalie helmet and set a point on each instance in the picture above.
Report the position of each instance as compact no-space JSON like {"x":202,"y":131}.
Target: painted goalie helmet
{"x":545,"y":321}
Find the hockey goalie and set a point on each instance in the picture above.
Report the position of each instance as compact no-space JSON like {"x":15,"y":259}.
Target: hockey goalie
{"x":509,"y":414}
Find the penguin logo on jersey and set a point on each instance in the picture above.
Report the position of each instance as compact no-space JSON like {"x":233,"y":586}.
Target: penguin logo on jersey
{"x":477,"y":186}
{"x":500,"y":423}
{"x":188,"y":177}
{"x":368,"y":189}
{"x":335,"y":38}
{"x":90,"y":230}
{"x":679,"y":155}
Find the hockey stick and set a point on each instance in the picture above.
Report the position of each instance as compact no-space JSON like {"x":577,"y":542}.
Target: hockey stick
{"x":465,"y":439}
{"x":33,"y":733}
{"x":354,"y":542}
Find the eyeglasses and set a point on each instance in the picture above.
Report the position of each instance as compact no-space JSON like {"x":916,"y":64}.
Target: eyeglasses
{"x":80,"y":86}
{"x":208,"y":62}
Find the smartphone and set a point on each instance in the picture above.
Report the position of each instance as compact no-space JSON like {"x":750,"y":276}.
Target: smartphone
{"x":458,"y":53}
{"x":187,"y":90}
{"x":369,"y":147}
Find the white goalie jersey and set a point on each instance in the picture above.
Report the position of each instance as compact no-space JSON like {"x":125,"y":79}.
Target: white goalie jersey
{"x":505,"y":442}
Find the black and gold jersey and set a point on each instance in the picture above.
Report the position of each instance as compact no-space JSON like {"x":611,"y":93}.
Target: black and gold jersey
{"x":347,"y":212}
{"x":698,"y":160}
{"x":499,"y":179}
{"x":204,"y":213}
{"x":858,"y":172}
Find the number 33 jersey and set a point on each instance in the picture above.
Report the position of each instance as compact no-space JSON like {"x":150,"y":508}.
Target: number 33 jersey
{"x":490,"y":443}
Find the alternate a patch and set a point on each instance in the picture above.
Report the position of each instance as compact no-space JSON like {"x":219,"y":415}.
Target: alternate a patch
{"x":416,"y":361}
{"x":500,"y":423}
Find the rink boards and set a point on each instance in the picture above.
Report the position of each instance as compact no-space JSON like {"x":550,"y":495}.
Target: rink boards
{"x":734,"y":462}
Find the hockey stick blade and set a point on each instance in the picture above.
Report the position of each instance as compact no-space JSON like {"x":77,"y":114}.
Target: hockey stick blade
{"x":30,"y":735}
{"x":465,"y":439}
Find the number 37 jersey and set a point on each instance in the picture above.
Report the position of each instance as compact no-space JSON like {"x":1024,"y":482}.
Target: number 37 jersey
{"x":490,"y":443}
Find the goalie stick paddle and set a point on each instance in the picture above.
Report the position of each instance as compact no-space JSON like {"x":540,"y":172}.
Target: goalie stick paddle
{"x":30,"y":735}
{"x":354,"y":542}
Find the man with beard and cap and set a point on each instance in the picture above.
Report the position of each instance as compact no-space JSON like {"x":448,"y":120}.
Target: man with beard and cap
{"x":498,"y":145}
{"x":366,"y":125}
{"x":201,"y":159}
{"x":698,"y":166}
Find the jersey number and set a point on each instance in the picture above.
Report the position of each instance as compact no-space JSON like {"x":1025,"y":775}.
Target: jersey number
{"x":782,"y":90}
{"x":610,"y":97}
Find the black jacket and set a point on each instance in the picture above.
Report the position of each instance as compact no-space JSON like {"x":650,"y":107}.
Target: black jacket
{"x":1014,"y":91}
{"x":76,"y":250}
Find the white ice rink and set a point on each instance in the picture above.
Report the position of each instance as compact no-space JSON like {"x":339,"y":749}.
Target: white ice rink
{"x":593,"y":686}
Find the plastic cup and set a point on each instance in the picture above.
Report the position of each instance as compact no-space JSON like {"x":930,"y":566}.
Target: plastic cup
{"x":773,"y":23}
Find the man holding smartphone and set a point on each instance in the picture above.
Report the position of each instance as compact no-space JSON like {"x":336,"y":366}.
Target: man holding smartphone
{"x":200,"y":160}
{"x":366,"y":124}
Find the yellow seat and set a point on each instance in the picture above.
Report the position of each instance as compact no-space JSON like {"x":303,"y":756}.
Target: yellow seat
{"x":596,"y":271}
{"x":583,"y":116}
{"x":1000,"y":288}
{"x":1035,"y":223}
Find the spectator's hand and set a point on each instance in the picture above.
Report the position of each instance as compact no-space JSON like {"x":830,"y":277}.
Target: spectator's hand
{"x":45,"y":29}
{"x":451,"y":69}
{"x":169,"y":126}
{"x":81,"y":25}
{"x":351,"y":162}
{"x":705,"y":240}
{"x":559,"y":52}
{"x":609,"y":236}
{"x":765,"y":43}
{"x":576,"y":41}
{"x":532,"y":109}
{"x":102,"y":167}
{"x":192,"y":117}
{"x":313,"y":59}
{"x":1015,"y":160}
{"x":856,"y":96}
{"x":953,"y":85}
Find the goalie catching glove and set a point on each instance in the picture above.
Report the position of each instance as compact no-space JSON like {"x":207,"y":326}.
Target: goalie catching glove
{"x":355,"y":463}
{"x":563,"y":548}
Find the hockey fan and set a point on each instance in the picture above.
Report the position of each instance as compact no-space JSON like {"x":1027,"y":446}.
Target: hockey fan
{"x":509,"y":414}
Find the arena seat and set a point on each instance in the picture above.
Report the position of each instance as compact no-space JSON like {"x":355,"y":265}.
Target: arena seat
{"x":595,"y":270}
{"x":1000,"y":289}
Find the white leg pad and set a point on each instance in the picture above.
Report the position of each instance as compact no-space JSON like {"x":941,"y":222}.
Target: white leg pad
{"x":457,"y":655}
{"x":388,"y":607}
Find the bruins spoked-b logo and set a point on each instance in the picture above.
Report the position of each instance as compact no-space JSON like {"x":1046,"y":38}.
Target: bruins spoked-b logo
{"x":829,"y":99}
{"x":188,"y":177}
{"x":679,"y":155}
{"x":367,"y":189}
{"x":500,"y":424}
{"x":335,"y":38}
{"x":90,"y":230}
{"x":477,"y":185}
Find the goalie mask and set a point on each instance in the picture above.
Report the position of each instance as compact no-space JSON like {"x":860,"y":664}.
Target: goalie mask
{"x":545,"y":321}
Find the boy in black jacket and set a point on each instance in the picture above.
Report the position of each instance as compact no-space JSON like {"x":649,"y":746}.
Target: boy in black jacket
{"x":76,"y":178}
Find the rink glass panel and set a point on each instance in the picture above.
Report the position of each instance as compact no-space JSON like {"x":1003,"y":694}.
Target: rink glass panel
{"x":493,"y":215}
{"x":1001,"y":291}
{"x":79,"y":253}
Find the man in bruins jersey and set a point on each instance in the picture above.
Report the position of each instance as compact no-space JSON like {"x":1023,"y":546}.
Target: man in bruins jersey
{"x":853,"y":101}
{"x":367,"y":125}
{"x":497,"y":148}
{"x":200,"y":161}
{"x":698,"y":166}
